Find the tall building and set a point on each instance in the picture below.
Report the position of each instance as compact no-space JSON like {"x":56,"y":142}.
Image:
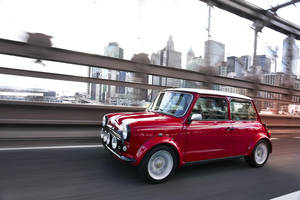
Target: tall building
{"x":264,"y":62}
{"x":214,"y":53}
{"x":290,"y":58}
{"x":237,"y":67}
{"x":193,"y":63}
{"x":107,"y":93}
{"x":190,"y":55}
{"x":136,"y":95}
{"x":166,"y":57}
{"x":246,"y":62}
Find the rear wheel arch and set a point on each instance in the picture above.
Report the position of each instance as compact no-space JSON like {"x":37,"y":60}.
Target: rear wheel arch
{"x":268,"y":142}
{"x":256,"y":140}
{"x":260,"y":153}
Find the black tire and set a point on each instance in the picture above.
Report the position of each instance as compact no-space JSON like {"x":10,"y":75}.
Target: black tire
{"x":252,"y":161}
{"x":143,"y":167}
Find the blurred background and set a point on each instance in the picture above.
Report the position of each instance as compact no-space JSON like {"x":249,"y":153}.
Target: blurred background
{"x":188,"y":35}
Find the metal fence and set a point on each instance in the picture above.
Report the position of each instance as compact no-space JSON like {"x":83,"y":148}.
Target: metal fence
{"x":22,"y":49}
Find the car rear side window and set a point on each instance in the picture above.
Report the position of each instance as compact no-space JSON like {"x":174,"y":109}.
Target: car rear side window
{"x":211,"y":108}
{"x":242,"y":110}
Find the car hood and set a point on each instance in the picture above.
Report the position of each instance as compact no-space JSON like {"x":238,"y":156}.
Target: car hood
{"x":142,"y":119}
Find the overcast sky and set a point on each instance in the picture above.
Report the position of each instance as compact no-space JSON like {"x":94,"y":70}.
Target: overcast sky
{"x":137,"y":25}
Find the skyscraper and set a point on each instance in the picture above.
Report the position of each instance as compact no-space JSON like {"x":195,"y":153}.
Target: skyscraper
{"x":214,"y":53}
{"x":136,"y":95}
{"x":264,"y":62}
{"x":237,"y":67}
{"x":166,"y":57}
{"x":246,"y":62}
{"x":289,"y":58}
{"x":190,"y":55}
{"x":193,"y":63}
{"x":107,"y":93}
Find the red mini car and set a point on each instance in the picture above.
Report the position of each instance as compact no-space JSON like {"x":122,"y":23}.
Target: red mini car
{"x":185,"y":126}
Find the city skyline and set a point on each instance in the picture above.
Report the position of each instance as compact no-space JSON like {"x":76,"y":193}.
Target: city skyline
{"x":131,"y":24}
{"x":181,"y":65}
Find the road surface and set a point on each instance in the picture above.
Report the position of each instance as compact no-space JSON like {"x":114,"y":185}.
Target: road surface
{"x":89,"y":172}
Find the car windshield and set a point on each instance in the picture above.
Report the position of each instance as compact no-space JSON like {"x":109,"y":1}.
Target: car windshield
{"x":172,"y":103}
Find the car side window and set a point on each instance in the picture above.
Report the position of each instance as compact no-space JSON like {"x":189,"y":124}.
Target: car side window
{"x":242,"y":110}
{"x":211,"y":108}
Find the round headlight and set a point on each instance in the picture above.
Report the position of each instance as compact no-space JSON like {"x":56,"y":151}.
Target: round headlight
{"x":104,"y":137}
{"x":114,"y":142}
{"x":108,"y":139}
{"x":124,"y":132}
{"x":104,"y":121}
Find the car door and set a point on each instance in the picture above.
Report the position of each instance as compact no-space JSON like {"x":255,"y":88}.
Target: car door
{"x":245,"y":124}
{"x":209,"y":136}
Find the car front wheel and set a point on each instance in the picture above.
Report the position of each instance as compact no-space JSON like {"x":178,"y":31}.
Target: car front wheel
{"x":259,"y":155}
{"x":158,"y":164}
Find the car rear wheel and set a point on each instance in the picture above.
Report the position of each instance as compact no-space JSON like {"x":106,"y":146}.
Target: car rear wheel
{"x":158,"y":164}
{"x":259,"y":155}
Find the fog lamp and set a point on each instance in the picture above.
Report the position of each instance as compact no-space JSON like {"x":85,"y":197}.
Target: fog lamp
{"x":108,"y":139}
{"x":104,"y":137}
{"x":114,"y":142}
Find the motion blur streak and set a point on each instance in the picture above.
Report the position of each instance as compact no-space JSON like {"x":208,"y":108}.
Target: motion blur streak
{"x":50,"y":147}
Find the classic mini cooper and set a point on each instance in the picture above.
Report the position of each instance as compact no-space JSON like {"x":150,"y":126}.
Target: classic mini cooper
{"x":184,"y":126}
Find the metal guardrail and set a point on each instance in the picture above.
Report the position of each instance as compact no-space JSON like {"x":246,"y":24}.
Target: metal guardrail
{"x":22,"y":49}
{"x":32,"y":113}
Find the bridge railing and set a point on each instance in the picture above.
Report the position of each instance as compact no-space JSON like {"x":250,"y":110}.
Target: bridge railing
{"x":22,"y":49}
{"x":38,"y":113}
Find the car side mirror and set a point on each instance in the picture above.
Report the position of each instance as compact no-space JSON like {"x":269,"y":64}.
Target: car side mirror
{"x":196,"y":117}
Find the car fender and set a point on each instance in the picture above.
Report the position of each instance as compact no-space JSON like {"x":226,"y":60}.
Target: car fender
{"x":149,"y":144}
{"x":255,"y":140}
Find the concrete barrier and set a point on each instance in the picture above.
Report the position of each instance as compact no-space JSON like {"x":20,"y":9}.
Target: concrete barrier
{"x":282,"y":123}
{"x":33,"y":113}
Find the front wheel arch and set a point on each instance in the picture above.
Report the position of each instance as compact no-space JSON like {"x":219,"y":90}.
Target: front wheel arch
{"x":159,"y":141}
{"x":171,"y":147}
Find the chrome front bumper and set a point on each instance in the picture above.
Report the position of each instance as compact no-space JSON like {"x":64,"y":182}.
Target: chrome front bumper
{"x":124,"y":158}
{"x":107,"y":146}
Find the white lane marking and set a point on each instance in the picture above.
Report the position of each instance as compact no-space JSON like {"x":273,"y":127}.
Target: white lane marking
{"x":274,"y":138}
{"x":50,"y":147}
{"x":297,"y":137}
{"x":290,"y":196}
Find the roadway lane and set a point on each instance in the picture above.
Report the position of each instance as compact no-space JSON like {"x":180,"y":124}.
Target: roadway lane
{"x":91,"y":173}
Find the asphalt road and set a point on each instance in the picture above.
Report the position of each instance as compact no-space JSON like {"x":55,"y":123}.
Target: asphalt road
{"x":91,"y":173}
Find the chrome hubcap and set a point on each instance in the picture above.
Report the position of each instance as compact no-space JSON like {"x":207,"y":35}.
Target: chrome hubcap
{"x":160,"y":164}
{"x":261,"y":153}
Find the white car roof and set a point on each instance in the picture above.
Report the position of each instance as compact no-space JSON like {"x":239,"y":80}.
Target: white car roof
{"x":209,"y":92}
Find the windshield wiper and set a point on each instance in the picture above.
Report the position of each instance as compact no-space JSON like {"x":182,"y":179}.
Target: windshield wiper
{"x":164,"y":112}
